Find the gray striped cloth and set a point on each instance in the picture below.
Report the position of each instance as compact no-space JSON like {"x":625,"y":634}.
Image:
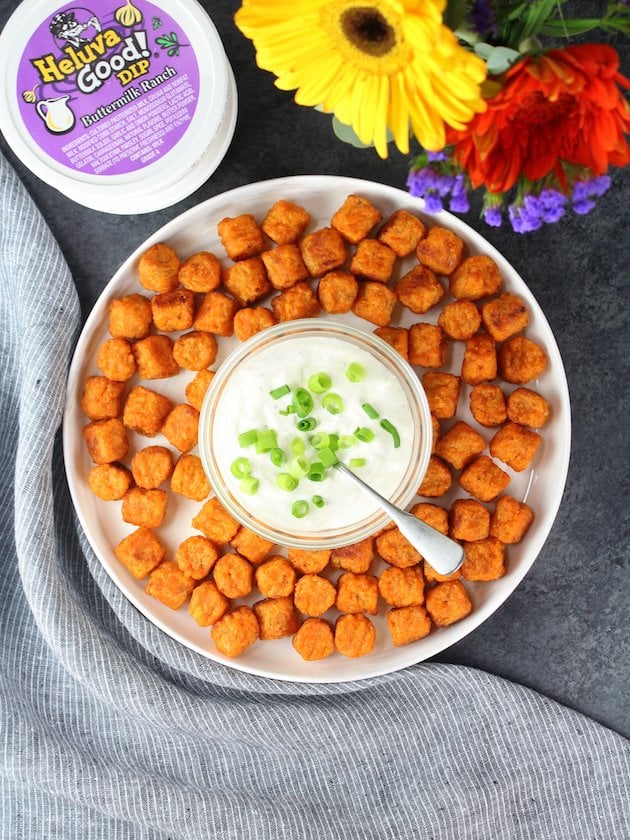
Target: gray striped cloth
{"x":112,"y":730}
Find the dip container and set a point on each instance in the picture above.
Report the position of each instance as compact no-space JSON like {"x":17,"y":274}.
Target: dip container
{"x":124,"y":106}
{"x":297,"y":537}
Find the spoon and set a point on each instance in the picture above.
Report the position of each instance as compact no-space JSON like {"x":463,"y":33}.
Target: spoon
{"x":442,"y":553}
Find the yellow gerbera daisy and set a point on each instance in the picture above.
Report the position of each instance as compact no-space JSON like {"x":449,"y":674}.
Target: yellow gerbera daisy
{"x":375,"y":64}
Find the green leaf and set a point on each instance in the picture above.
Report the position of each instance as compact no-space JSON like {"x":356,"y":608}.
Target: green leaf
{"x":501,"y":59}
{"x":347,"y":135}
{"x":454,"y":13}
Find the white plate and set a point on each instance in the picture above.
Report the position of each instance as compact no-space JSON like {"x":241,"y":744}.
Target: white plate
{"x":542,"y":486}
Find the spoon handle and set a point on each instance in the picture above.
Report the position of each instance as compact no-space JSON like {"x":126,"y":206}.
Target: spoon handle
{"x":443,"y":554}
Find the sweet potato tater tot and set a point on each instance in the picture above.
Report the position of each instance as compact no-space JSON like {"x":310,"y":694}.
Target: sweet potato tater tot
{"x":285,"y":222}
{"x":248,"y":322}
{"x":195,"y":350}
{"x":433,"y":515}
{"x":337,"y":291}
{"x":527,"y":408}
{"x":158,"y":267}
{"x":314,"y":639}
{"x":116,"y":360}
{"x":427,"y":345}
{"x":196,"y":556}
{"x":297,"y":302}
{"x":402,"y":587}
{"x":515,"y":446}
{"x":197,"y":387}
{"x":151,"y":466}
{"x":250,"y":545}
{"x":216,"y":314}
{"x":437,"y":479}
{"x":140,"y":552}
{"x":475,"y":278}
{"x":373,"y":261}
{"x":275,"y":578}
{"x":241,"y":237}
{"x":419,"y":289}
{"x":484,"y":479}
{"x":408,"y":624}
{"x":169,"y":585}
{"x":173,"y":311}
{"x":401,"y":232}
{"x":487,"y":405}
{"x":480,"y":359}
{"x":109,"y":482}
{"x":314,"y":595}
{"x":356,"y":593}
{"x":102,"y":399}
{"x":247,"y":280}
{"x":355,"y":218}
{"x":235,"y":631}
{"x":355,"y":635}
{"x":145,"y":411}
{"x":154,"y":357}
{"x":375,"y":303}
{"x":130,"y":317}
{"x":440,"y":250}
{"x":106,"y":440}
{"x":233,"y":575}
{"x":460,"y":320}
{"x":323,"y":251}
{"x":521,"y":360}
{"x":215,"y":522}
{"x":484,"y":559}
{"x":396,"y":337}
{"x":285,"y":266}
{"x":460,"y":445}
{"x":510,"y":520}
{"x":207,"y":604}
{"x":396,"y":549}
{"x":200,"y":273}
{"x":189,"y":479}
{"x":469,"y":520}
{"x":431,"y":576}
{"x":504,"y":316}
{"x":442,"y":390}
{"x":308,"y":562}
{"x":355,"y":558}
{"x":181,"y":426}
{"x":144,"y":507}
{"x":276,"y":618}
{"x":448,"y":602}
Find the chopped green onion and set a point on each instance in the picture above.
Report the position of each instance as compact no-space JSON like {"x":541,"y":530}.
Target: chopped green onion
{"x":320,"y":441}
{"x":318,"y":501}
{"x":299,"y":466}
{"x":299,"y":509}
{"x":364,"y":434}
{"x":249,"y":485}
{"x":240,"y":468}
{"x":302,"y":402}
{"x":278,"y":457}
{"x":297,"y":446}
{"x":266,"y":441}
{"x":357,"y":462}
{"x":393,"y":431}
{"x":355,"y":372}
{"x":316,"y":472}
{"x":319,"y":382}
{"x":346,"y":441}
{"x":276,"y":393}
{"x":332,"y":403}
{"x":334,"y":442}
{"x":290,"y":409}
{"x":306,"y":424}
{"x":372,"y":413}
{"x":286,"y":482}
{"x":247,"y":438}
{"x":328,"y":457}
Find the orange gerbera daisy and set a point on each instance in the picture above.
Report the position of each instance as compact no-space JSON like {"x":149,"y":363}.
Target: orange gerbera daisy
{"x":562,"y":107}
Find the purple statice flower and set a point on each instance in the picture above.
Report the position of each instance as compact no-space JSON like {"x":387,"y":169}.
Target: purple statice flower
{"x":421,"y":180}
{"x":482,"y":17}
{"x":435,"y":156}
{"x":492,"y":216}
{"x":584,"y":206}
{"x":552,"y":204}
{"x":522,"y":219}
{"x":600,"y":185}
{"x":459,"y":203}
{"x":433,"y":203}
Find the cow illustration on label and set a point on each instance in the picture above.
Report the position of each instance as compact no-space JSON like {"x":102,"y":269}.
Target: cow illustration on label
{"x":66,"y":29}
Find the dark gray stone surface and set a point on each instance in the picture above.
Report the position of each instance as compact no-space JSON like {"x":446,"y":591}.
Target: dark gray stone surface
{"x":564,"y":631}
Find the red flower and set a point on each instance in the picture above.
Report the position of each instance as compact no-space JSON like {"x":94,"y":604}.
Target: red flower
{"x":564,"y":106}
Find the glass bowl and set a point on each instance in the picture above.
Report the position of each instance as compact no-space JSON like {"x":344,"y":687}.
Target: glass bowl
{"x":212,"y":427}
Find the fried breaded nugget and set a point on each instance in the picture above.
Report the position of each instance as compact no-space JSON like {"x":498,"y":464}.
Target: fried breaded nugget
{"x":435,"y":432}
{"x":487,"y":405}
{"x":402,"y":587}
{"x":216,"y":314}
{"x":250,"y":545}
{"x":151,"y":466}
{"x":475,"y":278}
{"x":442,"y":390}
{"x":431,"y":576}
{"x":308,"y":562}
{"x":515,"y":446}
{"x":233,"y":575}
{"x":130,"y":317}
{"x":144,"y":507}
{"x":440,"y":250}
{"x":521,"y":360}
{"x":106,"y":440}
{"x":181,"y":426}
{"x":241,"y":237}
{"x":460,"y":320}
{"x":427,"y":345}
{"x":197,"y":387}
{"x":401,"y":232}
{"x":158,"y":267}
{"x":235,"y":631}
{"x":314,"y":595}
{"x":375,"y":303}
{"x":355,"y":218}
{"x":419,"y":289}
{"x":484,"y":479}
{"x":314,"y":639}
{"x":484,"y":560}
{"x":196,"y":556}
{"x":396,"y":549}
{"x":297,"y":302}
{"x":215,"y":522}
{"x":285,"y":222}
{"x":247,"y":280}
{"x":323,"y":251}
{"x":189,"y":479}
{"x":356,"y":593}
{"x":195,"y":350}
{"x":527,"y":408}
{"x":145,"y":411}
{"x":116,"y":360}
{"x":480,"y":359}
{"x":109,"y":482}
{"x":469,"y":520}
{"x":285,"y":266}
{"x":248,"y":322}
{"x":207,"y":604}
{"x":504,"y":316}
{"x":373,"y":261}
{"x":448,"y":602}
{"x":433,"y":515}
{"x":201,"y":272}
{"x":337,"y":291}
{"x":154,"y":357}
{"x":140,"y":552}
{"x":169,"y":585}
{"x":355,"y":635}
{"x":276,"y":618}
{"x":396,"y":337}
{"x":510,"y":520}
{"x":460,"y":445}
{"x":408,"y":624}
{"x":173,"y":311}
{"x":275,"y":578}
{"x":437,"y":479}
{"x":355,"y":558}
{"x":101,"y":398}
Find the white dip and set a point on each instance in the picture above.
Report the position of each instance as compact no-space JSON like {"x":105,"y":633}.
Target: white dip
{"x":246,"y":404}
